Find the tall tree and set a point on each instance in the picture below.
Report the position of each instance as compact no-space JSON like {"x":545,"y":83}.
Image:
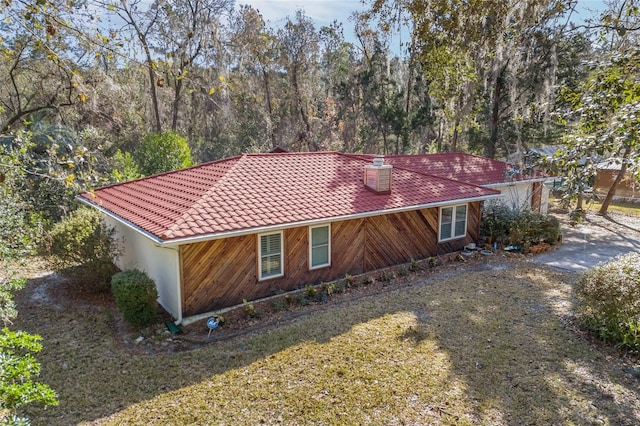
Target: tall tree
{"x":604,"y":110}
{"x":188,"y":35}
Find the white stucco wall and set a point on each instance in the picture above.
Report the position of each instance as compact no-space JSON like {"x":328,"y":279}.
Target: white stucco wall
{"x":516,"y":195}
{"x":161,"y":264}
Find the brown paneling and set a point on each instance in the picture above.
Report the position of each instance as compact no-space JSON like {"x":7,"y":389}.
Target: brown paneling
{"x":217,"y":271}
{"x":222,"y":273}
{"x":628,"y":187}
{"x":536,"y":196}
{"x":398,"y":238}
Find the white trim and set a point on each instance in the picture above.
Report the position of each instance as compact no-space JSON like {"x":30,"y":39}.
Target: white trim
{"x":280,"y":234}
{"x":121,"y":220}
{"x":514,"y":182}
{"x":324,"y":265}
{"x":454,"y":210}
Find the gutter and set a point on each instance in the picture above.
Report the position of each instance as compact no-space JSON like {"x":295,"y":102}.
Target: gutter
{"x":312,"y":222}
{"x":272,"y":228}
{"x":515,"y":182}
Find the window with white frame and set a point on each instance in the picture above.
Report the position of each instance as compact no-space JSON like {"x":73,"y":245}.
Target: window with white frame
{"x":319,"y":246}
{"x":453,"y":222}
{"x":270,"y":260}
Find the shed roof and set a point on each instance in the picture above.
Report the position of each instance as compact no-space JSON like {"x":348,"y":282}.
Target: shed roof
{"x":254,"y":191}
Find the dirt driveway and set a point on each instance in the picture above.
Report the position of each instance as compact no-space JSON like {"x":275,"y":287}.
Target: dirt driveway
{"x":597,"y":239}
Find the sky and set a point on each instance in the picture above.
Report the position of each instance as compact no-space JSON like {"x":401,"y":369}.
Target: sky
{"x":324,"y":12}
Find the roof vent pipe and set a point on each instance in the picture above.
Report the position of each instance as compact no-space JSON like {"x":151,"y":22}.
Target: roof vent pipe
{"x":377,"y":176}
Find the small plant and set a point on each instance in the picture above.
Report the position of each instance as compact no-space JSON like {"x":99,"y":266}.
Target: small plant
{"x":348,"y":279}
{"x":386,"y":276}
{"x":278,"y":304}
{"x":310,"y":292}
{"x":136,"y":296}
{"x":608,"y":300}
{"x":433,"y":262}
{"x":403,"y":272}
{"x":328,"y":289}
{"x":414,"y":265}
{"x":249,"y":309}
{"x":221,"y":319}
{"x":339,"y":286}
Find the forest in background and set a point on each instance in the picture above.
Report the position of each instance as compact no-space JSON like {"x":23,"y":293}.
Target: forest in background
{"x":96,"y":92}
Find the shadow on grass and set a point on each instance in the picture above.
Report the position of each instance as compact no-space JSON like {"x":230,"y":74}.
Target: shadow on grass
{"x":470,"y":344}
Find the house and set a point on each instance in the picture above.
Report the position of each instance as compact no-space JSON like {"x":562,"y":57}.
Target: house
{"x":255,"y":225}
{"x":607,"y":171}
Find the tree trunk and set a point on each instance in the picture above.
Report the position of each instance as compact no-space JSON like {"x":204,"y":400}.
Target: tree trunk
{"x":176,"y":105}
{"x":267,"y":92}
{"x":490,"y":148}
{"x":614,"y":185}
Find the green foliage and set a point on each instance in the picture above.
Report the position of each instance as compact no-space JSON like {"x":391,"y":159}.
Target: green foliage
{"x":20,"y":227}
{"x":46,"y":167}
{"x":125,"y":168}
{"x":18,"y":367}
{"x":310,"y":292}
{"x":163,"y":152}
{"x":136,"y":295}
{"x":530,"y":228}
{"x":605,"y":110}
{"x":608,"y":300}
{"x":414,"y":265}
{"x":249,"y":309}
{"x":8,"y":285}
{"x":496,"y":220}
{"x":82,"y":247}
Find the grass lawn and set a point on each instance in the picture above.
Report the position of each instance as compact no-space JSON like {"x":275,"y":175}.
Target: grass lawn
{"x":469,"y":343}
{"x":620,"y":207}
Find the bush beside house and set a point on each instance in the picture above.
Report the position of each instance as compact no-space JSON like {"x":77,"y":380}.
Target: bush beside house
{"x":83,"y":248}
{"x":503,"y":224}
{"x":136,"y":295}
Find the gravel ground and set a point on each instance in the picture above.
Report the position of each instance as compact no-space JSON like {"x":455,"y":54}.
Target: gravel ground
{"x":596,"y":239}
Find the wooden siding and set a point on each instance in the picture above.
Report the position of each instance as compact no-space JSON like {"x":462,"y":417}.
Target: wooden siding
{"x":221,"y":273}
{"x":536,"y":196}
{"x":627,"y":188}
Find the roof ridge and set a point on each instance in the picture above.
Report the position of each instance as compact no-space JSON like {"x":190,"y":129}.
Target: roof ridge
{"x":238,"y":159}
{"x":412,"y":170}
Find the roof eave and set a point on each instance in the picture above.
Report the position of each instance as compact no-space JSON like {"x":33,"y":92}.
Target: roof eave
{"x":312,"y":222}
{"x":125,"y":222}
{"x":515,"y":182}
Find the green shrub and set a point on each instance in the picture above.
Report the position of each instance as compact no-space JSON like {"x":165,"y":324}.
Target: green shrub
{"x":83,"y":248}
{"x":136,"y":296}
{"x":249,"y":309}
{"x":162,"y":152}
{"x":530,"y":228}
{"x":496,"y":220}
{"x":608,"y":300}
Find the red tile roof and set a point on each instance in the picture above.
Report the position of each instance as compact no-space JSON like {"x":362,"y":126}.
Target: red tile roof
{"x":258,"y":190}
{"x":457,"y":165}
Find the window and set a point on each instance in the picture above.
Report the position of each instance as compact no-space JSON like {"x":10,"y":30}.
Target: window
{"x":270,"y":261}
{"x":319,"y":246}
{"x":453,"y":222}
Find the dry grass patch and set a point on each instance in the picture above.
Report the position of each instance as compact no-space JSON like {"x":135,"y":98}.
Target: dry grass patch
{"x":469,"y":344}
